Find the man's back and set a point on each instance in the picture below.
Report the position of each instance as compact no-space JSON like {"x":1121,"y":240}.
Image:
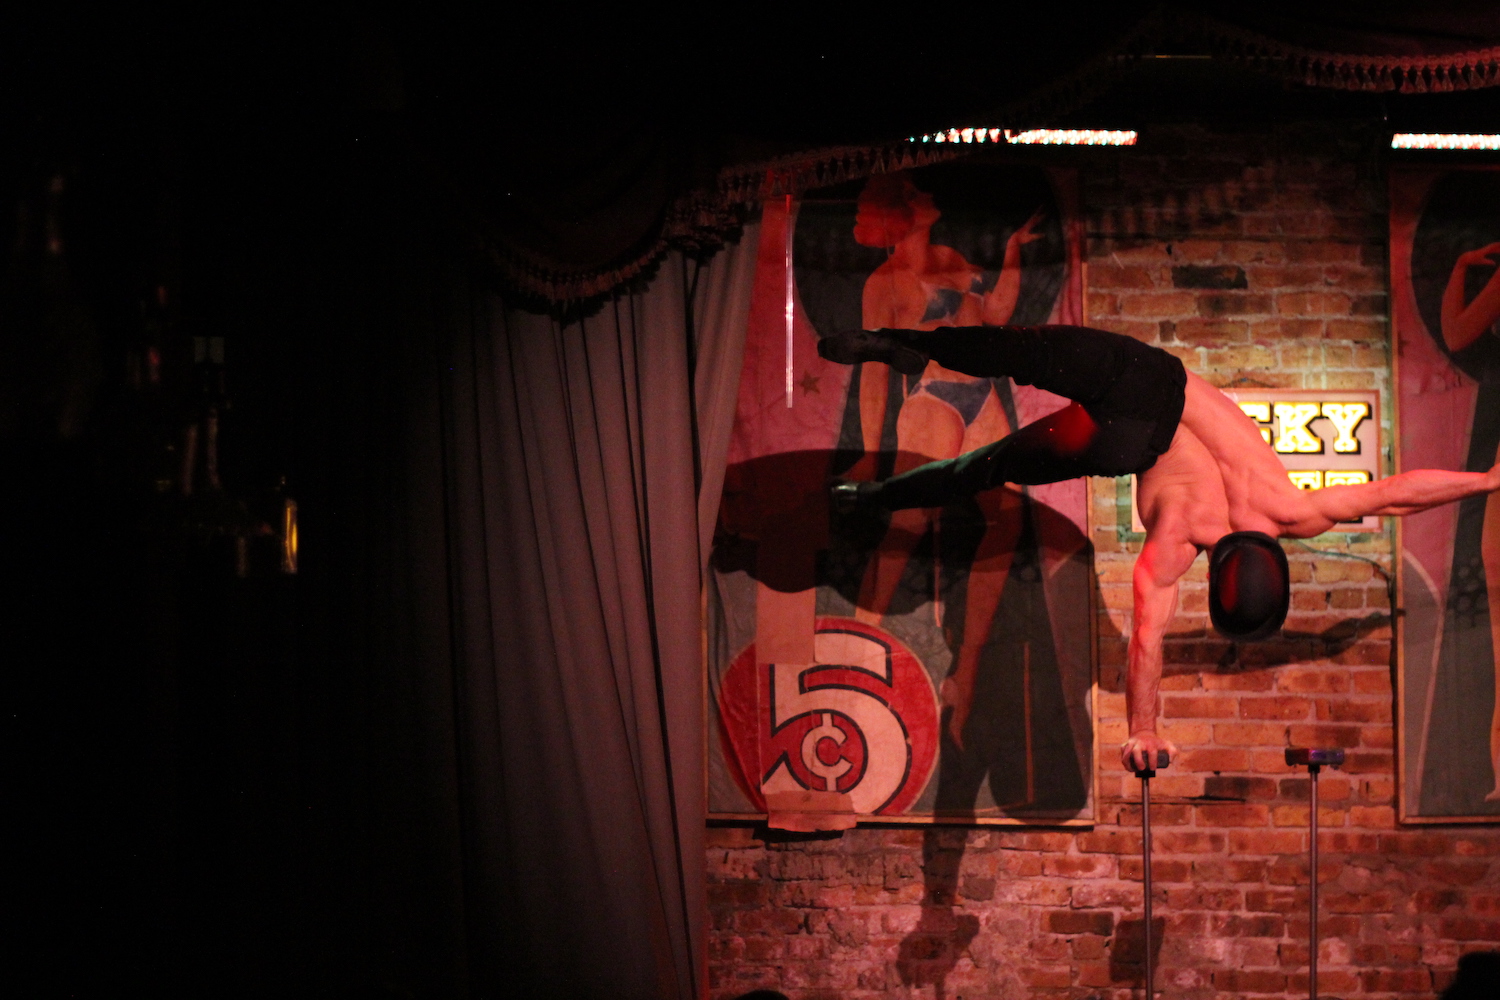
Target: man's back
{"x":1257,"y":491}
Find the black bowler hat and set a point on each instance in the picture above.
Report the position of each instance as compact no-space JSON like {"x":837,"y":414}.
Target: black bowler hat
{"x":1249,"y":586}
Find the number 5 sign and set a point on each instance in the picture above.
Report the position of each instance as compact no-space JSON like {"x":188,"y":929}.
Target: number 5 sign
{"x":862,"y":720}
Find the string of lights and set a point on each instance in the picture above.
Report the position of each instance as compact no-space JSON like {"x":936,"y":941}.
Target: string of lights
{"x":1035,"y":136}
{"x":1444,"y":140}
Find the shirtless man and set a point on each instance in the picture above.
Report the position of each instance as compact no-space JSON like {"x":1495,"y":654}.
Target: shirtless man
{"x":1207,"y":480}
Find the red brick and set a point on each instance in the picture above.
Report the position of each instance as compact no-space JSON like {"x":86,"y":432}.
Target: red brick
{"x":1197,"y":897}
{"x":1110,"y":841}
{"x":1312,"y":304}
{"x":1079,"y":866}
{"x":1275,"y":900}
{"x":1355,"y":329}
{"x":1275,"y":708}
{"x":1372,"y":816}
{"x":1270,"y":277}
{"x":1094,"y":974}
{"x":1050,"y":949}
{"x":1215,"y":760}
{"x":1330,"y":928}
{"x":1223,"y":869}
{"x":1321,"y":251}
{"x":1366,"y":761}
{"x":1394,"y":981}
{"x":1343,"y":710}
{"x":1456,"y":872}
{"x":1162,"y":814}
{"x":1096,"y":895}
{"x":1312,"y":680}
{"x":1358,"y":902}
{"x":1341,"y":842}
{"x":1325,"y":735}
{"x":1249,"y":980}
{"x":1266,"y":842}
{"x":1268,"y":761}
{"x":1336,"y":982}
{"x":1426,"y":845}
{"x":1214,"y":304}
{"x":1248,"y":680}
{"x":1155,"y":304}
{"x":1081,"y":922}
{"x":1436,"y":900}
{"x":1371,"y":681}
{"x":1288,"y":870}
{"x":1110,"y":276}
{"x":1233,"y":814}
{"x":1187,"y":841}
{"x":1052,"y":975}
{"x":1033,"y":841}
{"x":1196,"y":330}
{"x":1162,"y":870}
{"x":738,"y":895}
{"x":1102,"y":304}
{"x":1201,"y":707}
{"x":1250,"y":734}
{"x":1238,"y":787}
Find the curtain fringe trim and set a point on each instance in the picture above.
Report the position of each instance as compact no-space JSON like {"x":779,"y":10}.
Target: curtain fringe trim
{"x":703,"y":220}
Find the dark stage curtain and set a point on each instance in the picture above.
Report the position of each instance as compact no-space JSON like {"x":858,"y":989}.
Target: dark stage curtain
{"x":532,"y":593}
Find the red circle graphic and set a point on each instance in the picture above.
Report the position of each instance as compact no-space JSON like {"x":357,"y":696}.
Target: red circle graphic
{"x":862,"y":720}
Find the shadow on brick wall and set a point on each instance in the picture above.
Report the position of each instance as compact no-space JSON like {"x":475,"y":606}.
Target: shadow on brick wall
{"x":932,"y":949}
{"x":1478,"y":977}
{"x":1127,"y":953}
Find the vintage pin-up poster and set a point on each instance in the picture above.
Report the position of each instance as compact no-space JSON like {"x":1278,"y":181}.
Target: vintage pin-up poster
{"x":926,"y":663}
{"x":1445,"y":245}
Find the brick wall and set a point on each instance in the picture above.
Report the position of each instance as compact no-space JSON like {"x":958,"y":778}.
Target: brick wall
{"x":1258,"y":258}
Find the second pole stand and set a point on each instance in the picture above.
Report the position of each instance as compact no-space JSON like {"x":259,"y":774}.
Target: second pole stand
{"x":1314,"y":760}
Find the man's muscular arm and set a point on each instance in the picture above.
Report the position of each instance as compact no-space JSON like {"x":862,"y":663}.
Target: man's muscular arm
{"x":1157,"y":570}
{"x":1408,"y":493}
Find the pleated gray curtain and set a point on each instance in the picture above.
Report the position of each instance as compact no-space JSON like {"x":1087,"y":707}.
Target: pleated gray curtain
{"x":583,"y":462}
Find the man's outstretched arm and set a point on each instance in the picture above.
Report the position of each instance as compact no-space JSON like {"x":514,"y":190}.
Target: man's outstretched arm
{"x":1408,"y":493}
{"x":1158,"y":568}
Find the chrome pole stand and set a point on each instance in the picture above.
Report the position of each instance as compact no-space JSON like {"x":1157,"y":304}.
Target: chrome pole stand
{"x":1162,"y":760}
{"x":1314,"y":760}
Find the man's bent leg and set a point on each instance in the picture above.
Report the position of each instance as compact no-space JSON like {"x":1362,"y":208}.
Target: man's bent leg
{"x":1076,"y":362}
{"x":1048,"y":450}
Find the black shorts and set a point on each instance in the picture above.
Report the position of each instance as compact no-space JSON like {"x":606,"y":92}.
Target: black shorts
{"x":1131,"y":393}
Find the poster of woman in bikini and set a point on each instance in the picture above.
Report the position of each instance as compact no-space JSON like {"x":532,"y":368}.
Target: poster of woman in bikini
{"x":1445,"y":283}
{"x":930,"y":663}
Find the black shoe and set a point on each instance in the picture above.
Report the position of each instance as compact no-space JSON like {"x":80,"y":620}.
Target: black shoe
{"x":893,"y":347}
{"x":849,"y":497}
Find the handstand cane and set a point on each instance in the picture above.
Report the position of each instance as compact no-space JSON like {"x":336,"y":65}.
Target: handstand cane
{"x":1314,"y":761}
{"x":1162,"y":760}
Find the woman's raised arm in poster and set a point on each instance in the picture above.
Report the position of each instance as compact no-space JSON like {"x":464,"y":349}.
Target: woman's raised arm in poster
{"x":1463,"y":324}
{"x":1000,"y":302}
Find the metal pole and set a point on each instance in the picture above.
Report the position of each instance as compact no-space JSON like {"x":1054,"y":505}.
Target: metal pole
{"x":1146,"y":851}
{"x":1162,"y":760}
{"x":1312,"y":895}
{"x":1314,"y":759}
